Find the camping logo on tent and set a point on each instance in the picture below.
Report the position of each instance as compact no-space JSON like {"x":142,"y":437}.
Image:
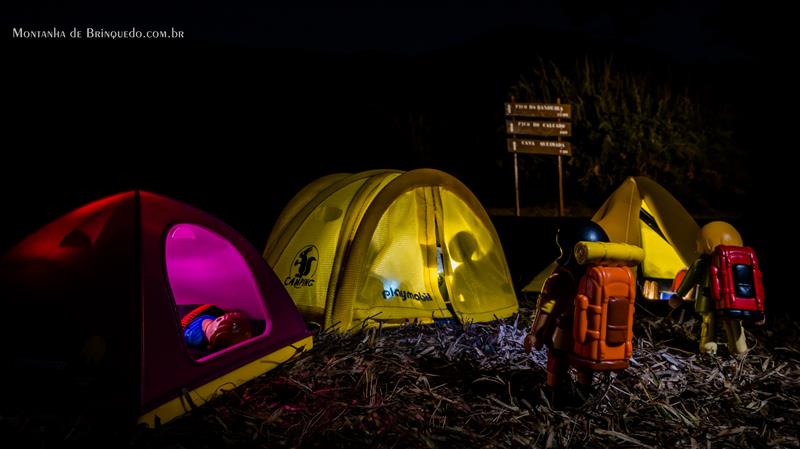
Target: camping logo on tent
{"x":304,"y":266}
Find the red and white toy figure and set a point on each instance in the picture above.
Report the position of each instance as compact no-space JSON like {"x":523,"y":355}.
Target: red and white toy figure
{"x":209,"y":327}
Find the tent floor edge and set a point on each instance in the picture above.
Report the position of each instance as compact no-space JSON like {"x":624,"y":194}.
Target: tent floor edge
{"x":205,"y":393}
{"x":492,"y":315}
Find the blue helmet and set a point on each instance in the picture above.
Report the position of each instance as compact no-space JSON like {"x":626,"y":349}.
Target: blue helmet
{"x":587,"y":231}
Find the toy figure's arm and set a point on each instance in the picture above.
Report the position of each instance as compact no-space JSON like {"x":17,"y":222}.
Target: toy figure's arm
{"x":553,"y":301}
{"x":692,"y":278}
{"x":544,"y":307}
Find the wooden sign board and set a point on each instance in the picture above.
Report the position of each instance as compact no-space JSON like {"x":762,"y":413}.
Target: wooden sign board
{"x":531,"y":146}
{"x":543,"y":110}
{"x":539,"y":128}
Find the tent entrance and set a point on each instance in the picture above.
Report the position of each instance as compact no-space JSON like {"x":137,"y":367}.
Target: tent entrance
{"x":661,"y":263}
{"x":203,"y":268}
{"x":475,"y":273}
{"x":444,"y":267}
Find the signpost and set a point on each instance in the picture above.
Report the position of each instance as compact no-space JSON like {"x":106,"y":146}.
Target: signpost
{"x":530,"y":146}
{"x":544,"y":110}
{"x":539,"y":128}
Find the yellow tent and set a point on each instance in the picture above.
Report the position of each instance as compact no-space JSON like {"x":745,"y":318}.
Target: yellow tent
{"x":642,"y":213}
{"x":390,"y":247}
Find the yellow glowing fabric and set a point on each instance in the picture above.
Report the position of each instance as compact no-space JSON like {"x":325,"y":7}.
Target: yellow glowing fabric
{"x":661,"y":260}
{"x":299,"y":201}
{"x":538,"y":281}
{"x":319,"y":233}
{"x":376,"y":238}
{"x":477,"y":274}
{"x":620,"y":217}
{"x":190,"y":399}
{"x":396,"y":272}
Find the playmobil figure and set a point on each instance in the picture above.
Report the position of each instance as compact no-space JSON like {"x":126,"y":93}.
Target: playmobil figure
{"x":730,"y":286}
{"x":552,"y":325}
{"x":585,"y":311}
{"x":209,"y":327}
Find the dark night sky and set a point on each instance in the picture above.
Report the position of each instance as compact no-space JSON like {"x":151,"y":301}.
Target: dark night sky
{"x":368,"y":56}
{"x":408,"y":29}
{"x":320,"y":89}
{"x":687,"y":31}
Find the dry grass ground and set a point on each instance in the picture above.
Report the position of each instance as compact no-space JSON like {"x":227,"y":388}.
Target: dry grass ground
{"x":473,"y":386}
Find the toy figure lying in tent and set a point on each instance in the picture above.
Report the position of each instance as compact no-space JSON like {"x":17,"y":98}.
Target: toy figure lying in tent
{"x":730,"y":286}
{"x":208,"y":327}
{"x":584,"y":314}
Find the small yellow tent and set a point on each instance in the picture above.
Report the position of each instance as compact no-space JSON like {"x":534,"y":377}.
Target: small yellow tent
{"x":391,"y":247}
{"x":642,"y":213}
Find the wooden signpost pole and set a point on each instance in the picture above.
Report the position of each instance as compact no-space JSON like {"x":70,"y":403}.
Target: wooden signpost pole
{"x":516,"y":185}
{"x":516,"y":168}
{"x":560,"y":175}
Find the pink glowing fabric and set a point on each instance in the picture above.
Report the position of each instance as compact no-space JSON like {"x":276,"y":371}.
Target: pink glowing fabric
{"x":204,"y":268}
{"x":115,"y":272}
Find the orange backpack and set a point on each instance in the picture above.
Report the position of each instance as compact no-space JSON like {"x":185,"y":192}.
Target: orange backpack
{"x":603,"y":316}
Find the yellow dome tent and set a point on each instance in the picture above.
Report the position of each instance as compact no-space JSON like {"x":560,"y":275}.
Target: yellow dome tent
{"x":390,"y":247}
{"x":642,"y":213}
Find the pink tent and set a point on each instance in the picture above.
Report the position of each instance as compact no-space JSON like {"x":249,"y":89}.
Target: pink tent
{"x":94,"y":302}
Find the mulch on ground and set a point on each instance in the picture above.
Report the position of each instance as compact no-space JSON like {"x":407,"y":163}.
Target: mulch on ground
{"x":473,"y":386}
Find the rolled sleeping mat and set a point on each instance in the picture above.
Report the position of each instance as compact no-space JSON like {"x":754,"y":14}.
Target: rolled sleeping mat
{"x":608,"y":254}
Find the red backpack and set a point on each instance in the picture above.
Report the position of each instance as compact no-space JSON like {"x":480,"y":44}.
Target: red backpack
{"x":735,"y":283}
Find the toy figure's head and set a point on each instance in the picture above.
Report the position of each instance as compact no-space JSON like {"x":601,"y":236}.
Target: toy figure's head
{"x":226,"y":330}
{"x":588,"y":231}
{"x":209,"y":327}
{"x":717,"y":233}
{"x":463,"y":247}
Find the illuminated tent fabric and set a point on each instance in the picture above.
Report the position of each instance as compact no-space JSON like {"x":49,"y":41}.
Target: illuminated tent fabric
{"x":642,"y":213}
{"x":102,"y":289}
{"x":390,"y":247}
{"x":537,"y":283}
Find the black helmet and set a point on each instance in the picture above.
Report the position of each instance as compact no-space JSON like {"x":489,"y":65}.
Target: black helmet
{"x":566,"y":239}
